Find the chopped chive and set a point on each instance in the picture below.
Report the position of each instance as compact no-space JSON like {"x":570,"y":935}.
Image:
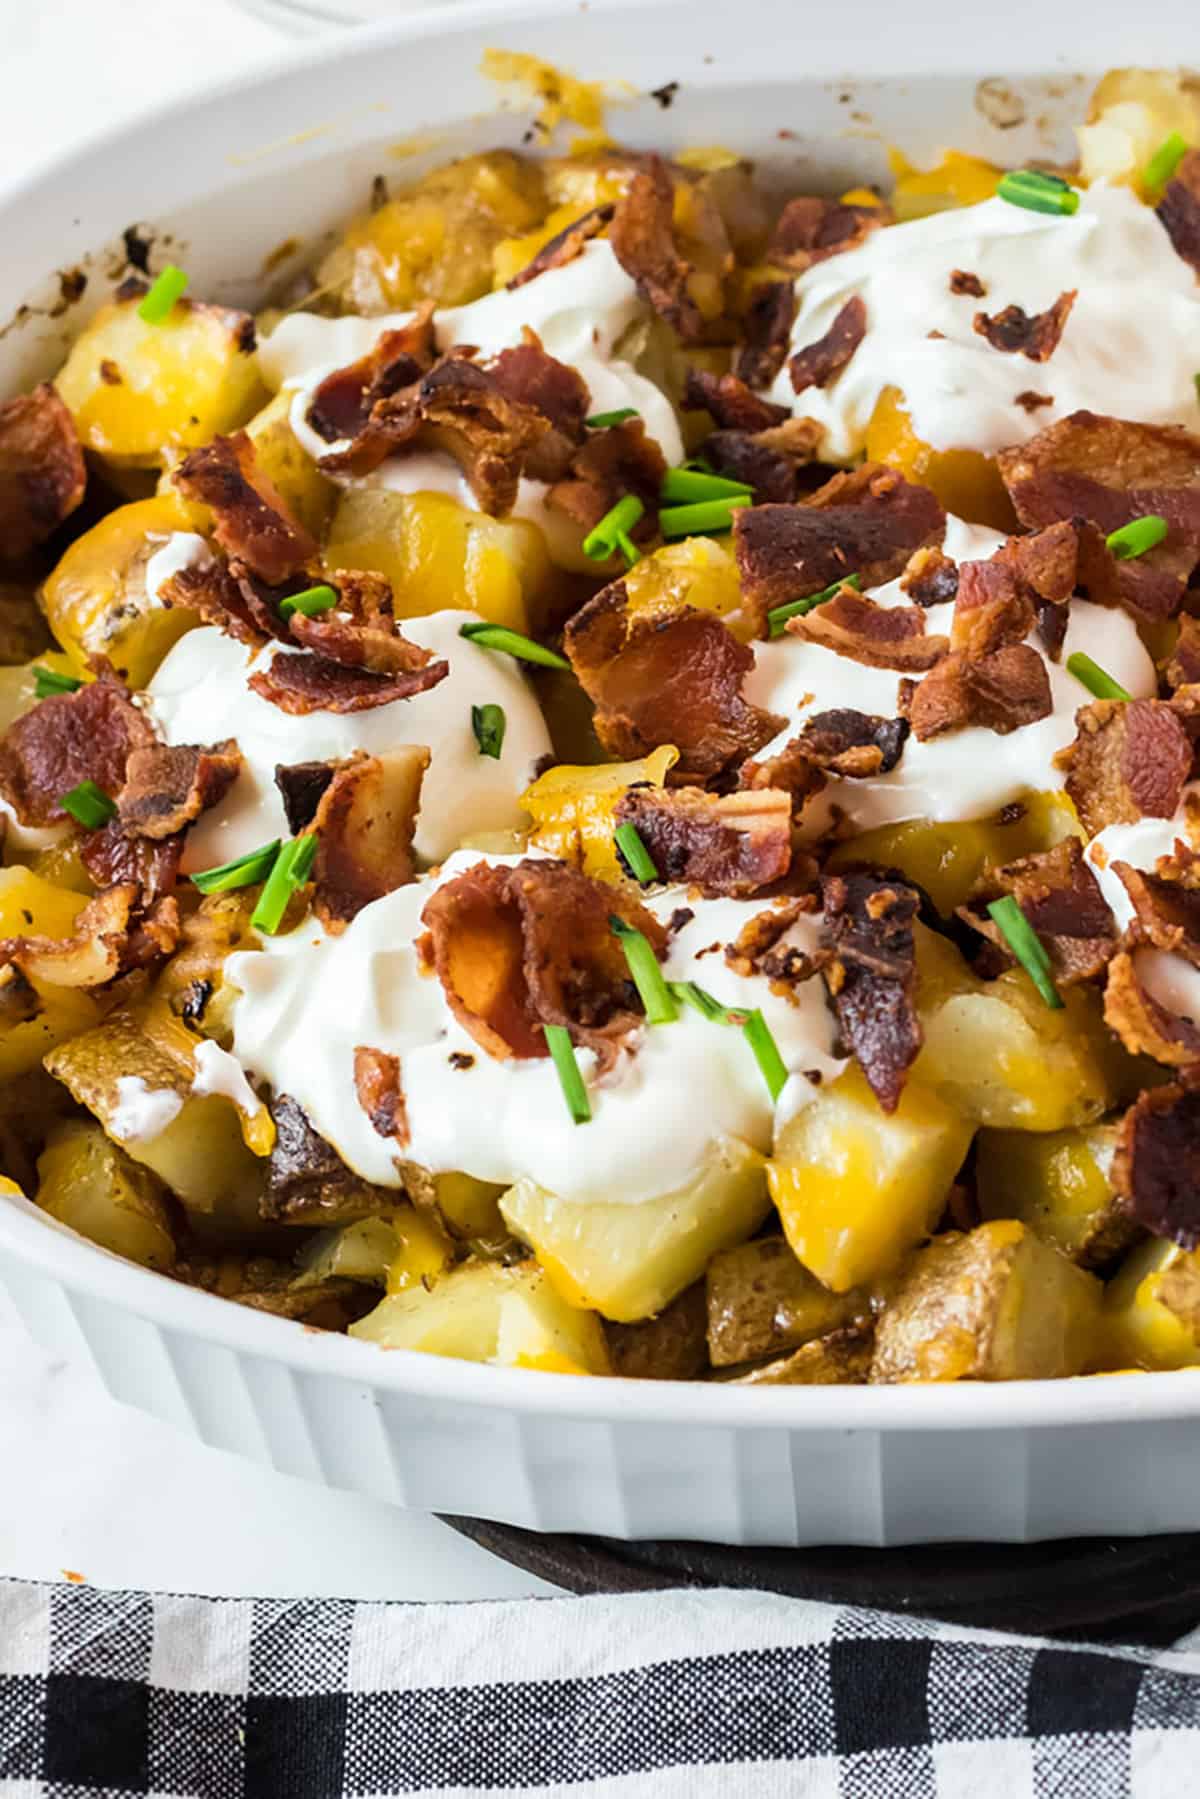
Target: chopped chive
{"x":599,"y":421}
{"x":704,"y":1003}
{"x":1094,"y":678}
{"x":499,"y":637}
{"x":89,"y":805}
{"x":309,"y":601}
{"x":160,"y":302}
{"x":617,"y":523}
{"x":1163,"y":164}
{"x":48,"y":680}
{"x":558,"y":1042}
{"x":696,"y":484}
{"x":1037,"y":191}
{"x":778,"y":616}
{"x":291,"y":869}
{"x":705,"y":515}
{"x":256,"y":865}
{"x":1138,"y":536}
{"x":634,"y":854}
{"x":647,"y":975}
{"x":757,"y":1033}
{"x":488,"y":724}
{"x":1026,"y":946}
{"x":628,"y":548}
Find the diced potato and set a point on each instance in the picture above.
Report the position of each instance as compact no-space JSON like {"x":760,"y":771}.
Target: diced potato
{"x":965,"y":481}
{"x":673,"y":1346}
{"x":698,"y":572}
{"x":1131,"y":112}
{"x":1152,"y":1309}
{"x":279,"y":455}
{"x":1058,"y":1184}
{"x":30,"y":906}
{"x":512,"y":1317}
{"x":957,"y":180}
{"x":857,"y":1187}
{"x":192,"y":986}
{"x":840,"y":1359}
{"x":89,"y":1183}
{"x":574,"y":809}
{"x":468,"y":1208}
{"x":761,"y":1300}
{"x":402,"y":1249}
{"x":423,"y":1251}
{"x":994,"y":1304}
{"x":96,"y":599}
{"x":628,"y":1261}
{"x":61,"y":864}
{"x":139,"y":393}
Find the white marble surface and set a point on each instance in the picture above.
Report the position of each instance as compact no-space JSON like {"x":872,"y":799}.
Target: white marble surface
{"x":88,"y":1485}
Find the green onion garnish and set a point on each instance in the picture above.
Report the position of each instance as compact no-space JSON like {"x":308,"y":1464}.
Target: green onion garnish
{"x":706,"y":515}
{"x":757,"y":1033}
{"x":256,"y":865}
{"x":1037,"y":191}
{"x":696,"y":484}
{"x":1026,"y":946}
{"x":1163,"y":164}
{"x":1094,"y":678}
{"x":488,"y":724}
{"x":292,"y":867}
{"x":647,"y":975}
{"x":89,"y":805}
{"x":1138,"y":536}
{"x":778,"y":616}
{"x":499,"y":637}
{"x":600,"y":420}
{"x":47,"y":681}
{"x":704,"y":1003}
{"x":612,"y":533}
{"x":558,"y":1042}
{"x":309,"y":601}
{"x":159,"y":303}
{"x":636,"y":856}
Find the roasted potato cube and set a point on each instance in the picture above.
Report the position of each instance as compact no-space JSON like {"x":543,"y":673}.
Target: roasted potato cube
{"x":958,"y":180}
{"x":761,"y":1300}
{"x":697,"y":572}
{"x":994,"y":1304}
{"x":966,"y":482}
{"x":34,"y":1015}
{"x":467,"y":1208}
{"x":840,"y":1359}
{"x":629,"y":1261}
{"x":397,"y":1251}
{"x":1152,"y":1309}
{"x":140,"y":393}
{"x":1057,"y":1183}
{"x":192,"y":986}
{"x":1131,"y":112}
{"x":574,"y":809}
{"x":857,"y":1187}
{"x":87,"y":1181}
{"x":673,"y":1346}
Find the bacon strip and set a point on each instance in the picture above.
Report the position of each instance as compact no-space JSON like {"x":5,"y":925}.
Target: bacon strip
{"x":1035,"y":335}
{"x":767,"y":327}
{"x":1156,"y":1167}
{"x":735,"y":845}
{"x":877,"y":636}
{"x":364,"y":825}
{"x":811,"y":229}
{"x":1179,"y":209}
{"x":343,"y":403}
{"x":1130,"y":759}
{"x":1144,"y":1026}
{"x":1061,"y":899}
{"x":769,"y":461}
{"x":42,"y":471}
{"x":565,"y":245}
{"x":1166,"y":902}
{"x":88,"y":735}
{"x":618,"y":460}
{"x":166,"y":788}
{"x":872,"y":976}
{"x":818,"y":363}
{"x":732,"y":405}
{"x":643,"y":240}
{"x":251,"y":520}
{"x":306,"y":683}
{"x":1001,"y":692}
{"x":854,"y":745}
{"x":380,"y":1093}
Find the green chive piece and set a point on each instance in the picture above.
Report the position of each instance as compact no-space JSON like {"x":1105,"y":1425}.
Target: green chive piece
{"x":709,"y":1008}
{"x":628,"y":548}
{"x":161,"y":300}
{"x":706,"y":515}
{"x":618,"y":522}
{"x":310,"y":601}
{"x":634,"y":854}
{"x":256,"y":865}
{"x":48,"y":680}
{"x":499,"y":637}
{"x":291,"y":869}
{"x":1038,"y":192}
{"x":488,"y":723}
{"x":695,"y":484}
{"x":1094,"y":678}
{"x":648,"y":977}
{"x":599,"y":421}
{"x":562,"y":1051}
{"x":1138,"y":536}
{"x":757,"y":1033}
{"x":1026,"y":946}
{"x":88,"y":805}
{"x":1163,"y":164}
{"x":778,"y":616}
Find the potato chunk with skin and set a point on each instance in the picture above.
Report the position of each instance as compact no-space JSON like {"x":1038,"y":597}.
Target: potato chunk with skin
{"x":856,"y":1187}
{"x":87,"y":1182}
{"x":401,"y":1250}
{"x":574,"y":809}
{"x":1131,"y":113}
{"x":672,"y":1346}
{"x":840,"y":1359}
{"x":761,"y":1300}
{"x":995,"y":1304}
{"x":1152,"y":1310}
{"x":1056,"y":1182}
{"x":629,"y":1261}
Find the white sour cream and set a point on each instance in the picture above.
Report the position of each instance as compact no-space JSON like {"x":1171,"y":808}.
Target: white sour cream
{"x":1129,"y":347}
{"x":182,"y":549}
{"x":217,"y":1072}
{"x":142,"y":1111}
{"x":308,"y":1001}
{"x":200,"y":694}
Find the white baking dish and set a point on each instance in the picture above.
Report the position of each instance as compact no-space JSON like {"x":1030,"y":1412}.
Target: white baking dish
{"x":818,"y":95}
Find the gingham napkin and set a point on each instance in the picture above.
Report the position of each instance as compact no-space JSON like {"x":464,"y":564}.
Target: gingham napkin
{"x":104,"y":1695}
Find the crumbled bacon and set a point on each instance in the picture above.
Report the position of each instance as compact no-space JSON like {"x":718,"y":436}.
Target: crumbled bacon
{"x":1035,"y":335}
{"x":93,"y":956}
{"x":1179,"y":209}
{"x":872,"y":976}
{"x":817,"y":363}
{"x":737,"y":844}
{"x":301,"y":785}
{"x":361,"y":631}
{"x":380,"y":1093}
{"x":767,"y":327}
{"x":855,"y":745}
{"x":70,"y":737}
{"x":1156,"y":1167}
{"x":768,"y":461}
{"x":251,"y":520}
{"x":930,"y":577}
{"x":618,"y":460}
{"x":364,"y":825}
{"x":1001,"y":692}
{"x":731,"y":404}
{"x":1143,"y":1024}
{"x":675,"y":678}
{"x":488,"y":434}
{"x":167,"y":787}
{"x":962,"y":281}
{"x":1130,"y":759}
{"x":1029,"y":400}
{"x":877,"y":636}
{"x":1061,"y":899}
{"x":304,"y":683}
{"x":643,"y":240}
{"x":789,"y":769}
{"x":343,"y":402}
{"x":1166,"y":902}
{"x":225,"y":594}
{"x":565,"y":245}
{"x":991,"y":609}
{"x":759,"y":948}
{"x":1182,"y":667}
{"x":114,"y":859}
{"x":42,"y":471}
{"x":811,"y":229}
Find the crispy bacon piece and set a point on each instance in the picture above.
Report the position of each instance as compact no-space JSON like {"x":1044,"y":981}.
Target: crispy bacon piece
{"x":962,"y":281}
{"x":878,"y":636}
{"x":1143,"y":1024}
{"x":617,"y":460}
{"x":42,"y":471}
{"x":251,"y":521}
{"x":95,"y":954}
{"x":1156,"y":1166}
{"x":790,"y":770}
{"x":768,"y":322}
{"x":224,"y":594}
{"x":811,"y":229}
{"x":852,"y":744}
{"x":731,"y":404}
{"x":167,"y":787}
{"x":1182,"y":667}
{"x":565,"y":245}
{"x":1061,"y":898}
{"x":301,"y":785}
{"x":361,"y":631}
{"x":1179,"y":209}
{"x":930,"y":577}
{"x":768,"y":461}
{"x":364,"y":825}
{"x":759,"y":948}
{"x":992,"y":608}
{"x":872,"y":976}
{"x":735,"y":845}
{"x":675,"y":678}
{"x":818,"y":363}
{"x":1166,"y":902}
{"x":113,"y":859}
{"x":488,"y":434}
{"x":1052,"y":565}
{"x":519,"y":948}
{"x":1001,"y":691}
{"x":343,"y":403}
{"x":70,"y":737}
{"x":643,"y":240}
{"x":1017,"y":332}
{"x":306,"y":683}
{"x":1130,"y":759}
{"x":380,"y":1093}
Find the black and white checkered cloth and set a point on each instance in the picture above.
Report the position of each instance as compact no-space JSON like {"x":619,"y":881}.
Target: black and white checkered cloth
{"x":105,"y":1695}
